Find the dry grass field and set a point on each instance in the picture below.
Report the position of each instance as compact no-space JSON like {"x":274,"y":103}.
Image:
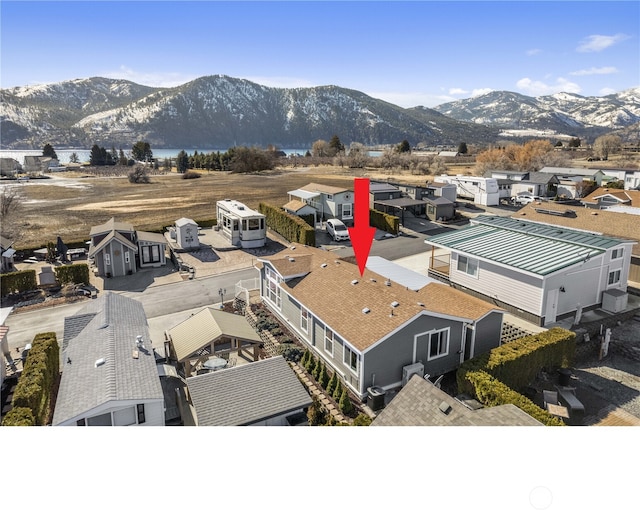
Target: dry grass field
{"x":68,"y":204}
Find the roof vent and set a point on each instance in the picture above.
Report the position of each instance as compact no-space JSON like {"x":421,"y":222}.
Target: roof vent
{"x":421,"y":304}
{"x":366,"y":310}
{"x":444,"y":407}
{"x":292,"y":260}
{"x":388,"y":282}
{"x":293,"y":248}
{"x":372,"y":280}
{"x":395,"y":304}
{"x":99,"y":362}
{"x":355,"y":281}
{"x":337,"y":261}
{"x":323,"y":265}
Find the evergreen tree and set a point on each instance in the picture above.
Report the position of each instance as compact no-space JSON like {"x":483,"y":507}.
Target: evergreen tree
{"x":316,"y":370}
{"x":345,"y":403}
{"x":305,"y":358}
{"x":462,"y":148}
{"x":311,"y":364}
{"x":404,"y":147}
{"x":337,"y":392}
{"x":182,"y":162}
{"x":323,"y":376}
{"x":141,"y":151}
{"x":331,"y":385}
{"x":335,"y":146}
{"x":98,"y":156}
{"x":122,"y":159}
{"x":48,"y":151}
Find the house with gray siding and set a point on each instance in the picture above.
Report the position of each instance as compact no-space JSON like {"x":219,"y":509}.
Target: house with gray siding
{"x":538,"y":271}
{"x":109,"y":373}
{"x":328,"y":201}
{"x":370,"y":330}
{"x":118,"y":249}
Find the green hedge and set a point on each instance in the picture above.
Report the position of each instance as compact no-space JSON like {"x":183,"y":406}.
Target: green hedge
{"x":39,"y":376}
{"x":72,"y":274}
{"x":491,"y":392}
{"x":494,"y":377}
{"x":516,"y":363}
{"x":291,"y":227}
{"x":384,"y":222}
{"x":17,"y":282}
{"x":19,"y":417}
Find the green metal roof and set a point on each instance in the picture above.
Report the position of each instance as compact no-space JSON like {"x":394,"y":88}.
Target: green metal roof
{"x":537,"y":248}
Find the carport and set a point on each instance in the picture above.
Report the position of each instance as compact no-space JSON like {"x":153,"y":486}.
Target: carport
{"x":401,"y":204}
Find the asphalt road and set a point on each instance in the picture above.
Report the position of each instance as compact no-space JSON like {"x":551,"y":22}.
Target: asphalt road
{"x":165,"y":306}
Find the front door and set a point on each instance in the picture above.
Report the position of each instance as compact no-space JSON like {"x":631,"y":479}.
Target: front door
{"x":469,"y":340}
{"x":552,"y":306}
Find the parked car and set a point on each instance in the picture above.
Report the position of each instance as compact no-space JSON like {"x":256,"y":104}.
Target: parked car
{"x":337,"y":229}
{"x":525,"y":197}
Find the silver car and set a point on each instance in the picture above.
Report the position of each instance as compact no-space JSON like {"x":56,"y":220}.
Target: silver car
{"x":337,"y":230}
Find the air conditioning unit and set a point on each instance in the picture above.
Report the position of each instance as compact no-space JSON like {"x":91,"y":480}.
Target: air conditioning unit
{"x":410,"y":370}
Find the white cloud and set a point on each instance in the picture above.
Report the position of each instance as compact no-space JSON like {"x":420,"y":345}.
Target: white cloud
{"x":533,"y":51}
{"x":539,"y":88}
{"x":458,"y":91}
{"x":157,"y":80}
{"x":605,"y":70}
{"x":607,"y":91}
{"x":597,"y":42}
{"x":481,"y":91}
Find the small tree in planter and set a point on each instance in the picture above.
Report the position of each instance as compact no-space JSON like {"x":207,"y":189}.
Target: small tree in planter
{"x":315,"y":414}
{"x":345,"y":403}
{"x":362,"y":420}
{"x":305,"y":358}
{"x":337,"y":391}
{"x":311,"y":364}
{"x":323,"y":376}
{"x":331,"y":385}
{"x":316,"y":370}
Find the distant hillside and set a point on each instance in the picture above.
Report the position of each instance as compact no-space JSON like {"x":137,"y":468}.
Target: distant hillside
{"x":220,"y":112}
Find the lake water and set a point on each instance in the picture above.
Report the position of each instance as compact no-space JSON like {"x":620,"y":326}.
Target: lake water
{"x":64,"y":155}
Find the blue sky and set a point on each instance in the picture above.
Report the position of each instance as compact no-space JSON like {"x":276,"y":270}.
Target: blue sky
{"x":408,"y":53}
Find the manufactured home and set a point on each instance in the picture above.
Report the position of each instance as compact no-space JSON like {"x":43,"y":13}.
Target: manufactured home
{"x":243,"y":227}
{"x":481,"y":190}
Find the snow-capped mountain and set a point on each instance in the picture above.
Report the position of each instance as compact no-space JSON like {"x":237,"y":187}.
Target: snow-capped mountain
{"x":565,"y":113}
{"x":219,"y":112}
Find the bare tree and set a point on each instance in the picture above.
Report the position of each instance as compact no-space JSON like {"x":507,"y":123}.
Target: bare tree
{"x":10,"y":206}
{"x":603,"y":145}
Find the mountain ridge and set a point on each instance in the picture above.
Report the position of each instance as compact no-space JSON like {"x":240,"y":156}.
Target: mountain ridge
{"x":218,"y":111}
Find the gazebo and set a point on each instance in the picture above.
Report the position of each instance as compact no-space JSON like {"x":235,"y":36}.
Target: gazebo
{"x":208,"y":333}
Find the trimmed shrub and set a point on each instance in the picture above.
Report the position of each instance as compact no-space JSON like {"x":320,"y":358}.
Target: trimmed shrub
{"x":191,"y":175}
{"x":337,"y":391}
{"x":291,"y":227}
{"x":72,"y":274}
{"x":331,"y":385}
{"x":311,"y":364}
{"x":305,"y":358}
{"x":19,"y":282}
{"x":19,"y":417}
{"x":323,"y":376}
{"x":315,"y":413}
{"x":38,"y":377}
{"x":362,"y":420}
{"x":316,"y":370}
{"x":291,"y":353}
{"x":345,"y":403}
{"x":384,"y":222}
{"x":492,"y":392}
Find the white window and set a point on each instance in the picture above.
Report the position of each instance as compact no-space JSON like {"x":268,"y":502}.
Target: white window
{"x":328,"y":341}
{"x":437,"y":343}
{"x":127,"y":259}
{"x":273,"y":289}
{"x":124,"y":417}
{"x":614,"y":277}
{"x":304,"y":320}
{"x":329,"y":197}
{"x":468,"y":265}
{"x":350,"y":358}
{"x":347,"y":211}
{"x":100,"y":420}
{"x":107,"y":259}
{"x":616,"y":253}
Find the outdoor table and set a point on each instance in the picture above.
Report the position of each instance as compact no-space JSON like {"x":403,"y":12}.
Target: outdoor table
{"x":215,"y":363}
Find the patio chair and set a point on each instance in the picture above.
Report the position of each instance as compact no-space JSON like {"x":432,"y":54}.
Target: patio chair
{"x":231,"y":363}
{"x":549,"y":397}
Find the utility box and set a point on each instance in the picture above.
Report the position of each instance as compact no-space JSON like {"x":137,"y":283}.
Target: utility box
{"x":614,"y":301}
{"x":375,"y":397}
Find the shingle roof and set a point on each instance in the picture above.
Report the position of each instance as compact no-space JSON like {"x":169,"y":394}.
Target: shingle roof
{"x":295,"y":205}
{"x":184,"y":221}
{"x":208,"y":325}
{"x":603,"y":221}
{"x":323,"y":188}
{"x":247,"y":394}
{"x":536,"y":248}
{"x":111,"y":225}
{"x":328,"y":291}
{"x":113,"y":235}
{"x":418,"y":404}
{"x":110,"y":334}
{"x":151,"y":236}
{"x":629,"y":197}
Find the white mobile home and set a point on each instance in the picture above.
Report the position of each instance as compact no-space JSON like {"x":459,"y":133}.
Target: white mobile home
{"x":482,"y":190}
{"x":243,"y":227}
{"x":539,"y":272}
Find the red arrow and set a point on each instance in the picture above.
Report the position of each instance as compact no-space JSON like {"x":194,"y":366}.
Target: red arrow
{"x":361,"y":233}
